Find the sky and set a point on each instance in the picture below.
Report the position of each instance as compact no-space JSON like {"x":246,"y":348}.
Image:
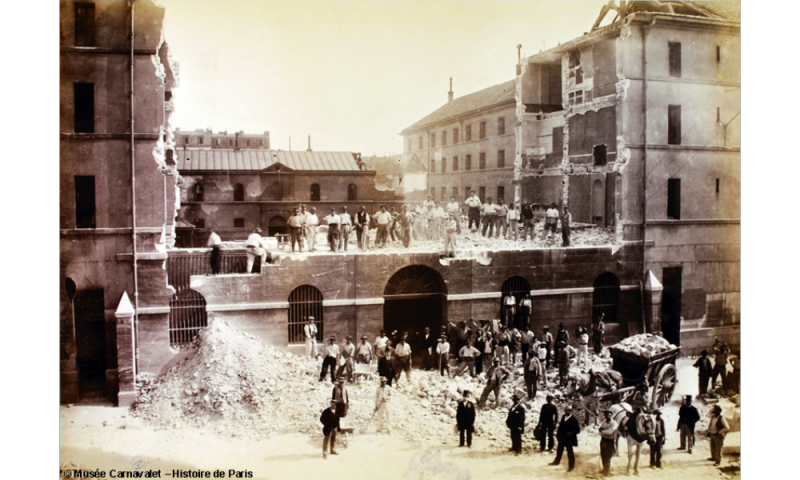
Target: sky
{"x":350,"y":74}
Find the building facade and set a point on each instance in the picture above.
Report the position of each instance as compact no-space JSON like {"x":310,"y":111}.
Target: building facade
{"x":467,"y":144}
{"x":636,"y":126}
{"x":117,"y":192}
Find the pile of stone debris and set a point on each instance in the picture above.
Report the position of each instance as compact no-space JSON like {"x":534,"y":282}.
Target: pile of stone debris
{"x":645,"y":345}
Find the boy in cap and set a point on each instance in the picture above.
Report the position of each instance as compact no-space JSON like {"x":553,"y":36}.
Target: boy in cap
{"x":688,"y":416}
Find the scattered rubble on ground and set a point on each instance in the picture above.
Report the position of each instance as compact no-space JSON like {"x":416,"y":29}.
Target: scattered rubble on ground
{"x":645,"y":345}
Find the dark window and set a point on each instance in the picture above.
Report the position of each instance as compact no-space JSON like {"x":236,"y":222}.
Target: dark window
{"x":501,"y":126}
{"x":261,"y":142}
{"x":200,"y":140}
{"x":433,"y":165}
{"x":420,"y":143}
{"x":674,"y":126}
{"x":315,"y":193}
{"x":501,"y":194}
{"x":238,"y":193}
{"x":433,"y":140}
{"x":717,"y":186}
{"x":444,"y":165}
{"x":84,"y":107}
{"x":468,"y":133}
{"x":599,"y":153}
{"x":84,"y":202}
{"x":305,"y":301}
{"x":468,"y":163}
{"x":352,"y":193}
{"x":186,"y":140}
{"x":455,"y":136}
{"x":455,"y":164}
{"x":482,"y":194}
{"x":444,"y":138}
{"x":200,"y":222}
{"x":718,"y":54}
{"x":198,"y":192}
{"x":482,"y":131}
{"x":482,"y":161}
{"x":605,"y":298}
{"x":230,"y":142}
{"x":501,"y":158}
{"x":238,"y":223}
{"x":674,"y":59}
{"x":84,"y":24}
{"x":444,"y":193}
{"x":455,"y":192}
{"x":674,"y":198}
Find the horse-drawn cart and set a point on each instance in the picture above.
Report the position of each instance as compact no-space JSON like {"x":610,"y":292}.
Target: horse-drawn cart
{"x":658,"y":371}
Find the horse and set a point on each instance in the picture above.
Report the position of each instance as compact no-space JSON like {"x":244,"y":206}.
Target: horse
{"x":637,"y":427}
{"x":586,"y":386}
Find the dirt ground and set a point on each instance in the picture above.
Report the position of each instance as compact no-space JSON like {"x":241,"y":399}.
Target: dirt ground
{"x":106,"y":438}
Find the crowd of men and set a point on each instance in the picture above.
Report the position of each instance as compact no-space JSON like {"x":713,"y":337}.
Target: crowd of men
{"x":429,"y":220}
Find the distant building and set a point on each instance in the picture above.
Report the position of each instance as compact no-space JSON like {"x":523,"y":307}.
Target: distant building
{"x":467,"y":144}
{"x":113,"y":285}
{"x":234,"y":190}
{"x":221,"y":140}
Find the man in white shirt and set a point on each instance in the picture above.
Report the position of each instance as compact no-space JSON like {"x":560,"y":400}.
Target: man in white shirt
{"x":296,"y":223}
{"x":428,"y":202}
{"x":443,"y":353}
{"x":380,"y":344}
{"x":216,"y":254}
{"x":420,"y":222}
{"x":382,"y":397}
{"x":364,"y":352}
{"x":312,"y":220}
{"x":513,"y":223}
{"x":403,"y":353}
{"x":449,"y":237}
{"x":550,"y":220}
{"x":501,"y":222}
{"x":256,"y":247}
{"x":467,"y":354}
{"x":474,"y":204}
{"x":438,"y":221}
{"x":454,"y":210}
{"x":310,"y":330}
{"x":383,"y":219}
{"x":361,"y":222}
{"x":487,"y":217}
{"x":333,"y":221}
{"x":344,"y":227}
{"x":331,"y":352}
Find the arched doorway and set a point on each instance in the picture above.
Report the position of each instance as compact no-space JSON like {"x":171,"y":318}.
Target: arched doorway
{"x":414,"y":298}
{"x":605,"y":298}
{"x":518,"y":287}
{"x":277,"y":224}
{"x":304,"y":301}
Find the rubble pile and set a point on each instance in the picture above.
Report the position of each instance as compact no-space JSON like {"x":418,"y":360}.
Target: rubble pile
{"x":645,"y":345}
{"x":429,"y":465}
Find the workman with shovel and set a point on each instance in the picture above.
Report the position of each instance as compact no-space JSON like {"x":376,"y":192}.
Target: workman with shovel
{"x":382,"y":397}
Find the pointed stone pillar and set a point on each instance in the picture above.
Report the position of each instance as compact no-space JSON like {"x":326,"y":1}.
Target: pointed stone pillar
{"x":652,"y":302}
{"x":126,"y":349}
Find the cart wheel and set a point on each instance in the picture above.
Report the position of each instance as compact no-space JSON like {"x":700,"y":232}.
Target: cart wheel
{"x":664,"y":386}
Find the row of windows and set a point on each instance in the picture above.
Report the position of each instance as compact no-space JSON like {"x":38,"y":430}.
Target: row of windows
{"x":275,"y":190}
{"x":218,"y":142}
{"x":454,"y":139}
{"x":501,"y":162}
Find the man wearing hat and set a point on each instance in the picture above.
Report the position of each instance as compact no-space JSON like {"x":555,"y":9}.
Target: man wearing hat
{"x":382,"y":397}
{"x":364,"y":352}
{"x":296,"y":223}
{"x":717,"y":429}
{"x":310,"y":330}
{"x":312,"y":221}
{"x":344,"y":229}
{"x":380,"y":344}
{"x":331,"y":354}
{"x":688,"y":416}
{"x":548,"y":417}
{"x":346,"y":359}
{"x":361,"y":223}
{"x":443,"y":352}
{"x":465,"y":419}
{"x":427,"y":343}
{"x":660,"y":434}
{"x":567,"y":436}
{"x":333,"y":221}
{"x":403,"y":353}
{"x":608,"y":436}
{"x":386,"y":366}
{"x":516,"y":424}
{"x":256,"y":247}
{"x":495,"y":381}
{"x":330,"y":422}
{"x":341,"y":397}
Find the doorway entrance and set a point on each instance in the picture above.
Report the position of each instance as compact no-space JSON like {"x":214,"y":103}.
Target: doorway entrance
{"x":518,"y":287}
{"x":671,"y":305}
{"x":90,"y":343}
{"x":414,"y":298}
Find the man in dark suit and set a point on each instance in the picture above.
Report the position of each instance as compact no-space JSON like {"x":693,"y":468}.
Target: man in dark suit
{"x":516,"y":424}
{"x":386,"y":366}
{"x":427,"y":346}
{"x":330,"y":422}
{"x":567,"y":436}
{"x":465,"y":419}
{"x":548,"y":417}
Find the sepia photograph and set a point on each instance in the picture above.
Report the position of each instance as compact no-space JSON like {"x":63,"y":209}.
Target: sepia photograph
{"x":443,"y":240}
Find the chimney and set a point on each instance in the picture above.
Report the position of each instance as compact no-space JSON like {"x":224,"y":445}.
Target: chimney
{"x":309,"y":144}
{"x":450,"y":93}
{"x":519,"y":59}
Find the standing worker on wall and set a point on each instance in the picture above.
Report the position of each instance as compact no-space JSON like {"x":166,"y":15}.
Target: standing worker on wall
{"x":333,"y":221}
{"x":296,"y":223}
{"x":256,"y":247}
{"x":216,"y":254}
{"x":312,"y":221}
{"x":344,"y":227}
{"x":550,"y":221}
{"x":566,"y":221}
{"x":361,"y":222}
{"x":474,"y":204}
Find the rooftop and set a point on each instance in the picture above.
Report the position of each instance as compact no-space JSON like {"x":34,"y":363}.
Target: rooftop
{"x":190,"y":160}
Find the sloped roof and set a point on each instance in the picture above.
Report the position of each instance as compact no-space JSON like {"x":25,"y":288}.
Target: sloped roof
{"x":260,"y":159}
{"x":725,"y":9}
{"x":487,"y":97}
